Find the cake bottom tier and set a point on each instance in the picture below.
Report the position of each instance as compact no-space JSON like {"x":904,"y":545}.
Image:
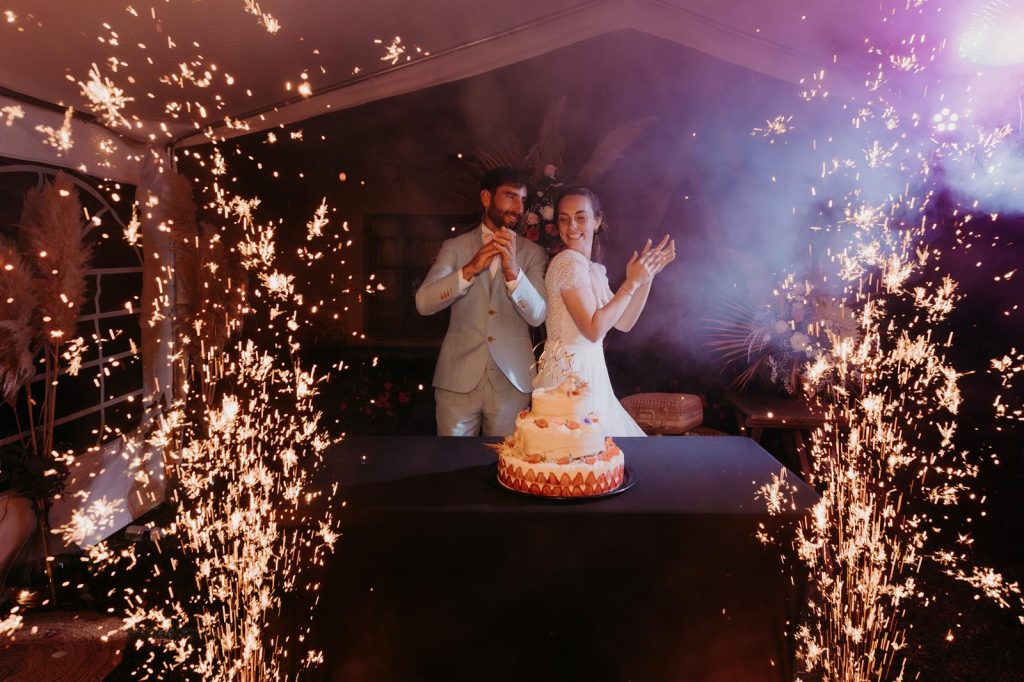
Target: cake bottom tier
{"x":554,"y":480}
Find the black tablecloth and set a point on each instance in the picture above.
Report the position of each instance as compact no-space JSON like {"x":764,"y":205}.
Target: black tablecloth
{"x":441,"y":574}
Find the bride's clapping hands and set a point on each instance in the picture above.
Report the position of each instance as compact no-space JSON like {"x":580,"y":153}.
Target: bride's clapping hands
{"x":662,"y":254}
{"x":642,"y":267}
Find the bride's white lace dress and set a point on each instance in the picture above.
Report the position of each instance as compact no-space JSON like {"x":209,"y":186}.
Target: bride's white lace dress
{"x":572,"y":270}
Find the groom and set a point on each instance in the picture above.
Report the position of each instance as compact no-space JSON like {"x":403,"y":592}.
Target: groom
{"x":493,"y":279}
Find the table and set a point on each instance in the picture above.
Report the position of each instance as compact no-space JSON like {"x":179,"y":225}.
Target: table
{"x":440,"y":574}
{"x":790,"y":416}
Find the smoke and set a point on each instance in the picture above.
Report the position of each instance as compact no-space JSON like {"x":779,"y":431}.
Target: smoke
{"x":993,"y":180}
{"x":752,"y":179}
{"x":775,"y":180}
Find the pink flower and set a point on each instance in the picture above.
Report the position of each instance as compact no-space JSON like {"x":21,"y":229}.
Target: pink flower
{"x":551,"y":229}
{"x":532,"y":218}
{"x":532,"y":233}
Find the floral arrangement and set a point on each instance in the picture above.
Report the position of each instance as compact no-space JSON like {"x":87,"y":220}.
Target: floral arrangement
{"x":540,"y":224}
{"x":783,"y":341}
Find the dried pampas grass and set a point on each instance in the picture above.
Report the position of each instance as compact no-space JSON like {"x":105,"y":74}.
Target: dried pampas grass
{"x":17,"y":303}
{"x":610,"y":149}
{"x":51,"y":237}
{"x":550,"y":148}
{"x":736,"y":338}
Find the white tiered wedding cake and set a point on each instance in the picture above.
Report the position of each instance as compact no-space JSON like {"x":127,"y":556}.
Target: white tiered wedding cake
{"x":559,"y":448}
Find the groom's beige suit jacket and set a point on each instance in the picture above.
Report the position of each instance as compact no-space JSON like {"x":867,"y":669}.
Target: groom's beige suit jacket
{"x":486,"y":319}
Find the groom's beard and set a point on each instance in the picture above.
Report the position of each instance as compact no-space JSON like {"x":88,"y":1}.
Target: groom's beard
{"x":509,"y":219}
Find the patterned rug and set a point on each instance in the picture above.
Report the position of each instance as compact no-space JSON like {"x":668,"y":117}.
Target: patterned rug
{"x":62,"y":646}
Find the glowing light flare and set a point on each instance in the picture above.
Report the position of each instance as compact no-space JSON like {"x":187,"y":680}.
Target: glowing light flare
{"x":780,"y":125}
{"x":11,"y":113}
{"x":85,"y":523}
{"x":278,"y":284}
{"x":991,"y":34}
{"x":73,"y":353}
{"x":11,"y":623}
{"x":946,"y":121}
{"x":59,"y":138}
{"x":396,"y":51}
{"x":105,"y":98}
{"x":268,"y":22}
{"x":877,"y":155}
{"x":314,"y":228}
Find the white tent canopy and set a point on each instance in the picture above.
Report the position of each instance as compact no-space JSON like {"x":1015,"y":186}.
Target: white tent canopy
{"x":204,"y":67}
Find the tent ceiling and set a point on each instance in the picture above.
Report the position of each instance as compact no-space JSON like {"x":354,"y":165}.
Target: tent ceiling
{"x":49,"y":48}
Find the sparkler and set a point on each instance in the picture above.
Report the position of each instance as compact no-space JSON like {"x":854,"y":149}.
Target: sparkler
{"x":888,"y":462}
{"x":245,"y":481}
{"x":242,"y":443}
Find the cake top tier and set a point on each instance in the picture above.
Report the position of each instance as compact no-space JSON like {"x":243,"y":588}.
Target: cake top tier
{"x":568,"y":400}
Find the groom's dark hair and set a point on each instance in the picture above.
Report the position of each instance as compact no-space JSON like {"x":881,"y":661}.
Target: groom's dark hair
{"x":496,"y":177}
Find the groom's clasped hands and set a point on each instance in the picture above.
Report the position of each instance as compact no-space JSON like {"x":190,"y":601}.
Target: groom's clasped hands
{"x":505,"y":243}
{"x":643,"y":266}
{"x":502,"y":245}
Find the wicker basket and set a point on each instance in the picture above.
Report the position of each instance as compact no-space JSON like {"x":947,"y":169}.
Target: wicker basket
{"x":665,"y":413}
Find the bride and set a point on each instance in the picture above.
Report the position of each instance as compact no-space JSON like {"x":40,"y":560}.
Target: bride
{"x":582,"y":307}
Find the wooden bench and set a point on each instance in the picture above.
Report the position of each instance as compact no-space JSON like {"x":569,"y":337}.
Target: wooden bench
{"x":790,"y":416}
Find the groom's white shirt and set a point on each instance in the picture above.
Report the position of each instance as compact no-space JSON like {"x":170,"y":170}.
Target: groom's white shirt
{"x":486,"y":319}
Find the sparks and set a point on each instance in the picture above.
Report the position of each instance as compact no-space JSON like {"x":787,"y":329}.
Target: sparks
{"x":11,"y":113}
{"x":60,"y":138}
{"x":105,"y":98}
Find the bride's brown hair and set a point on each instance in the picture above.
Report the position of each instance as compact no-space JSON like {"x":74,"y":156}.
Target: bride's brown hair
{"x":601,"y":231}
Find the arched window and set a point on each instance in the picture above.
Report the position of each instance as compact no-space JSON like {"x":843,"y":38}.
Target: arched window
{"x":104,"y":399}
